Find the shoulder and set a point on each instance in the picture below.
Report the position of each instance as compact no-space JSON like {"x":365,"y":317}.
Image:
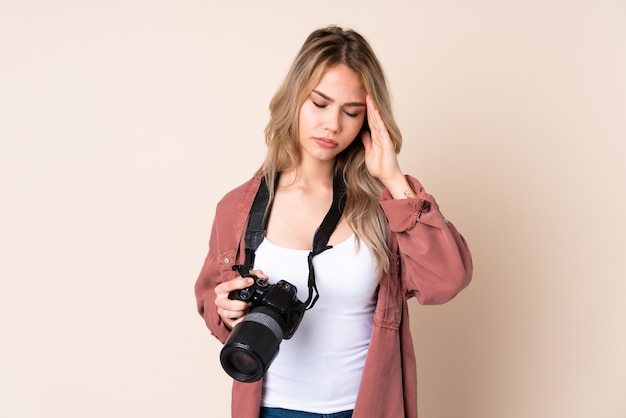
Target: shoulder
{"x":241,"y":196}
{"x":231,"y":214}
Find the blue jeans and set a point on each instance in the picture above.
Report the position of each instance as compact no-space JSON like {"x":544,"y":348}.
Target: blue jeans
{"x":288,"y":413}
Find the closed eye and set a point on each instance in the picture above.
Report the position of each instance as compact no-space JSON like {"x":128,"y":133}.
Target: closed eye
{"x":324,"y":105}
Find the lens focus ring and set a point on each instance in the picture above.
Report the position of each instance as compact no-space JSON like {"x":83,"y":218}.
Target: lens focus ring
{"x":265,"y":320}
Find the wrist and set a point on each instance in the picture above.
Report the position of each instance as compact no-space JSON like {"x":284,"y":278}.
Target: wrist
{"x":399,"y":187}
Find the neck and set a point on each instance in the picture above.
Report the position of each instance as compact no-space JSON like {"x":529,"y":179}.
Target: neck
{"x":310,"y":174}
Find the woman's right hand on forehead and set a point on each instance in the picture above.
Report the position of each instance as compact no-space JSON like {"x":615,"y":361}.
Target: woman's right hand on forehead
{"x":233,"y":311}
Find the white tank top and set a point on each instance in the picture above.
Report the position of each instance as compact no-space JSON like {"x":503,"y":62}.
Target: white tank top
{"x":319,"y":369}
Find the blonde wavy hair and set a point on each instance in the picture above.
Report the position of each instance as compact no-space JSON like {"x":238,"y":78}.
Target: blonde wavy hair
{"x":323,"y":49}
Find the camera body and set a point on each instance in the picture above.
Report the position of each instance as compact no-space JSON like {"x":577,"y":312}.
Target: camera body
{"x":275,"y":313}
{"x":281,"y":298}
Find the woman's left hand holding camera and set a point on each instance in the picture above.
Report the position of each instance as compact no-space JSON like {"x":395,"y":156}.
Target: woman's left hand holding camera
{"x":232,"y":311}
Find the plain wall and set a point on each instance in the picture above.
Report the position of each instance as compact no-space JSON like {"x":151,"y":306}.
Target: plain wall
{"x":122,"y":123}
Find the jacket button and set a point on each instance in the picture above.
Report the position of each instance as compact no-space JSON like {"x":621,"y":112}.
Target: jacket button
{"x":226,"y":261}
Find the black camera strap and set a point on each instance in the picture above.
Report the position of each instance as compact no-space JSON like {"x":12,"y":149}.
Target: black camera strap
{"x":257,"y":225}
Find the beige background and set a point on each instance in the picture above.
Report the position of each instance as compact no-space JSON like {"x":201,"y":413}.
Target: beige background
{"x":123,"y":122}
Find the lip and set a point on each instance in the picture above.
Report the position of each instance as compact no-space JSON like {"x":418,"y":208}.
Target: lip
{"x":326,"y":142}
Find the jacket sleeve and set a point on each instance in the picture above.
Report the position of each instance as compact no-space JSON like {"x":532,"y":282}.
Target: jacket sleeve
{"x":225,"y":250}
{"x":216,"y":266}
{"x":435,"y":261}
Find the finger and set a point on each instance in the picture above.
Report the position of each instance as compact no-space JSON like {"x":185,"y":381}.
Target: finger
{"x":367,"y":140}
{"x":231,"y":310}
{"x":231,"y":322}
{"x":223,"y":290}
{"x":232,"y":315}
{"x":259,"y":274}
{"x":234,"y":284}
{"x":379,"y":133}
{"x":224,"y":303}
{"x":373,"y":115}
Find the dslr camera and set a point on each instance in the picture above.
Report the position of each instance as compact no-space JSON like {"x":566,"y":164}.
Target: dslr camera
{"x":274,"y":315}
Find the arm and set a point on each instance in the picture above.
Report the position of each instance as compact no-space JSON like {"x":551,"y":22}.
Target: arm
{"x":212,"y":288}
{"x":209,"y":278}
{"x":217,"y":278}
{"x":435,"y":261}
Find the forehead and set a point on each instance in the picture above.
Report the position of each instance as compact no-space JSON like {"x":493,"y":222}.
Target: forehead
{"x":340,"y":82}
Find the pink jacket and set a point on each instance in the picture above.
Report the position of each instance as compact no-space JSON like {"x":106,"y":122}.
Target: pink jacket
{"x":429,"y":260}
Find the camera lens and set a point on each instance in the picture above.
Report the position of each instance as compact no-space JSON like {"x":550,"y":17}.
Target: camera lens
{"x":252,"y":345}
{"x":243,"y":362}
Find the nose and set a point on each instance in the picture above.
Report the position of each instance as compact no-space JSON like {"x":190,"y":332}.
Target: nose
{"x":332,"y":121}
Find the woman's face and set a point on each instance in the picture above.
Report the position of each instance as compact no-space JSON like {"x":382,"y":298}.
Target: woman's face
{"x":333,"y":114}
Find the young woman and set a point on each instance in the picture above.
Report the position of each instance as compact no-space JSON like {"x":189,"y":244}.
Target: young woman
{"x":352,"y":355}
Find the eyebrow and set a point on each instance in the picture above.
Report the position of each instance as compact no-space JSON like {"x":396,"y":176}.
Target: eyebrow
{"x":319,"y":93}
